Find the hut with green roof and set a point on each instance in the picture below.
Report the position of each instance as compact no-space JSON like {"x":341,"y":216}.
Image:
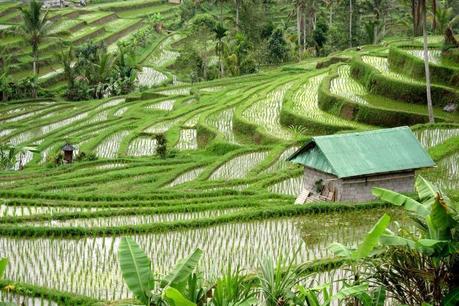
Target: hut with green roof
{"x":345,"y":167}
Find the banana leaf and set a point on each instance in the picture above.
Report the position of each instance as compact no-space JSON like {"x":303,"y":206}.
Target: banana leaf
{"x":182,"y":270}
{"x":401,"y":200}
{"x":426,"y":191}
{"x":136,"y":270}
{"x":372,"y":238}
{"x":175,"y":298}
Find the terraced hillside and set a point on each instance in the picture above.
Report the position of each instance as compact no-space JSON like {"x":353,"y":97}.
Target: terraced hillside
{"x":109,"y":23}
{"x":225,"y":185}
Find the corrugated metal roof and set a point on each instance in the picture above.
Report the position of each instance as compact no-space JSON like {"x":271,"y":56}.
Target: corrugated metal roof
{"x":354,"y":154}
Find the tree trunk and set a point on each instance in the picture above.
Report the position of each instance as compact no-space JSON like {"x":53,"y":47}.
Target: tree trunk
{"x":330,"y":17}
{"x":238,"y":4}
{"x":304,"y":33}
{"x":426,"y":65}
{"x":222,"y":69}
{"x":450,"y":40}
{"x":350,"y":23}
{"x":35,"y":72}
{"x":298,"y":28}
{"x":434,"y":15}
{"x":419,"y":6}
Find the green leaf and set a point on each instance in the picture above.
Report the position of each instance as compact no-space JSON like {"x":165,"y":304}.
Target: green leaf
{"x":452,"y":298}
{"x":426,"y":191}
{"x":441,"y":221}
{"x":3,"y":264}
{"x":182,"y":270}
{"x":136,"y":270}
{"x":372,"y":238}
{"x":175,"y":298}
{"x":339,"y":249}
{"x":378,"y":296}
{"x":351,"y":291}
{"x":390,"y":240}
{"x":400,"y":200}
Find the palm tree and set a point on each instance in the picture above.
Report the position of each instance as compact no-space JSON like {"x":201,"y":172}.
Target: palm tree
{"x":67,"y":58}
{"x":220,"y":34}
{"x":35,"y":28}
{"x":445,"y":22}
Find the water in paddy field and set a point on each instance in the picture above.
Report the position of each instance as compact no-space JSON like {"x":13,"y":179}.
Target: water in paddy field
{"x":89,"y":266}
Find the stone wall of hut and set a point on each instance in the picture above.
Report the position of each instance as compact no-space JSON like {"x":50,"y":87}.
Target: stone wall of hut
{"x":357,"y":189}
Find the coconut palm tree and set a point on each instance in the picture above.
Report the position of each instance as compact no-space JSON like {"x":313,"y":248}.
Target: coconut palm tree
{"x":445,"y":22}
{"x":220,"y":34}
{"x":35,"y":28}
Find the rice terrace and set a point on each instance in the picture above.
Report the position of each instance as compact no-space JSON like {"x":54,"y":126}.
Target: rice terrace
{"x":229,"y":153}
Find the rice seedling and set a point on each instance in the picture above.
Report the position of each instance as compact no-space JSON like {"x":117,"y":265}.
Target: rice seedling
{"x":17,"y":299}
{"x":111,"y":166}
{"x":238,"y":167}
{"x":185,"y":91}
{"x":21,"y":210}
{"x":164,"y":56}
{"x":120,"y":112}
{"x":110,"y":146}
{"x":345,"y":86}
{"x":433,"y":54}
{"x":188,"y":140}
{"x":100,"y":116}
{"x":306,"y":103}
{"x":291,"y":186}
{"x":6,"y":132}
{"x":131,"y":220}
{"x":432,"y":137}
{"x":281,"y":163}
{"x":167,"y":105}
{"x":41,"y":131}
{"x":223,"y":122}
{"x":22,"y":159}
{"x":161,"y":127}
{"x":142,"y":146}
{"x":212,"y":89}
{"x":89,"y":266}
{"x":446,"y":174}
{"x":266,"y":113}
{"x":186,"y":177}
{"x":150,"y":77}
{"x":431,"y":39}
{"x":111,"y":103}
{"x":382,"y":64}
{"x":192,"y":122}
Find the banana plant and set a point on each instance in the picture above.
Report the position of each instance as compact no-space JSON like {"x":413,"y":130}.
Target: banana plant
{"x":435,"y":216}
{"x":367,"y":247}
{"x":136,"y":269}
{"x":437,"y":222}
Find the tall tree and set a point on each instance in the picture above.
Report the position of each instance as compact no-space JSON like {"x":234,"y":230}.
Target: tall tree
{"x":418,"y":8}
{"x":351,"y":13}
{"x":35,"y":28}
{"x":220,"y":33}
{"x":426,"y":64}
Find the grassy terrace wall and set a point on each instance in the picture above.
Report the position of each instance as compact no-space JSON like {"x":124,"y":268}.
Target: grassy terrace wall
{"x":349,"y":110}
{"x":409,"y":92}
{"x":406,"y":63}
